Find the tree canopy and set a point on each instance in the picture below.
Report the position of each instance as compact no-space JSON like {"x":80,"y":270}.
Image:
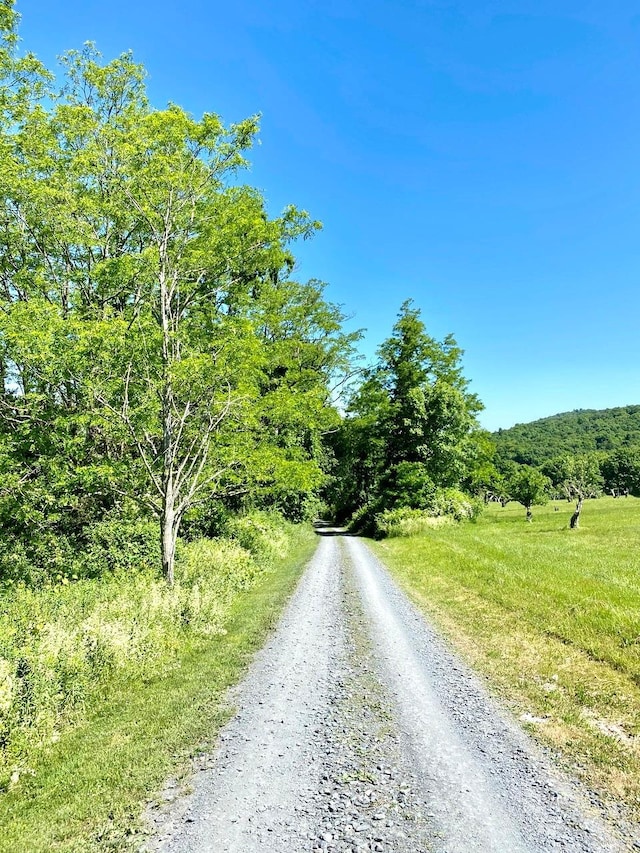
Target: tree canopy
{"x":411,"y":427}
{"x":155,"y":351}
{"x":580,"y":431}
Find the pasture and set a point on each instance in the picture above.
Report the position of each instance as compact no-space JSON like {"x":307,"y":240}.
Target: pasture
{"x":551,"y":618}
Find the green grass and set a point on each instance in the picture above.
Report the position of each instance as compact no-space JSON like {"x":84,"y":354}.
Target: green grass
{"x":87,"y":791}
{"x":552,"y":617}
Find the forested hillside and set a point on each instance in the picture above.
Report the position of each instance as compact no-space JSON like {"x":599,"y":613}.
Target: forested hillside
{"x":580,"y":431}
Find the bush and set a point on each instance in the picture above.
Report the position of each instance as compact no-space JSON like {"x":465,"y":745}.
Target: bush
{"x":363,"y":520}
{"x":263,"y":534}
{"x":44,"y":557}
{"x":224,"y":566}
{"x":451,"y":502}
{"x":121,"y":545}
{"x":109,"y":546}
{"x":407,"y":522}
{"x":446,"y":506}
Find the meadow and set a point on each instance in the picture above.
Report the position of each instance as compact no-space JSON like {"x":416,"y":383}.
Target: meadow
{"x":551,"y":617}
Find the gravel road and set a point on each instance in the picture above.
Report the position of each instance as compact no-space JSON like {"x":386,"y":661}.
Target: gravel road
{"x":358,"y":730}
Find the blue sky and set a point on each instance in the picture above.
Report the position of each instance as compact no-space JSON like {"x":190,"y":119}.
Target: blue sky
{"x":479,"y":157}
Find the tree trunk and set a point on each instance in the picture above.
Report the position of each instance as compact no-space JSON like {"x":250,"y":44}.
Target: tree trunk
{"x":529,"y":514}
{"x":575,"y":518}
{"x":168,"y":537}
{"x":168,"y":523}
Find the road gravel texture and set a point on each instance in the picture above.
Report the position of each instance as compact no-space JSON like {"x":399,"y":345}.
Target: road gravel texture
{"x":359,"y":730}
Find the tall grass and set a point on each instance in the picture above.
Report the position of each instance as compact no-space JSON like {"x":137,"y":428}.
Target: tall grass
{"x":65,"y":646}
{"x":552,"y":616}
{"x":86,"y":793}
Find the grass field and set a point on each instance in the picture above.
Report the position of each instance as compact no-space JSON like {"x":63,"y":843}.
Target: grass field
{"x":552,"y":617}
{"x":87,"y":791}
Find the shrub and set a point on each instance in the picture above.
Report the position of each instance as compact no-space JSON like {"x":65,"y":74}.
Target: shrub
{"x":454,"y":503}
{"x":222,"y":565}
{"x":121,"y":545}
{"x":363,"y":520}
{"x":407,"y":522}
{"x":264,"y":534}
{"x":44,"y":557}
{"x":446,"y":506}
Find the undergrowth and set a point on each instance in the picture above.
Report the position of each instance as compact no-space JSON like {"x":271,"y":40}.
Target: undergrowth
{"x":65,"y":645}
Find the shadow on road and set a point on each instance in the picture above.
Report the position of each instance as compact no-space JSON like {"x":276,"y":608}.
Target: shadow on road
{"x":327,"y":528}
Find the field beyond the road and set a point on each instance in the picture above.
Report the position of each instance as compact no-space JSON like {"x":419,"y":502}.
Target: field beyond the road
{"x":552,"y":617}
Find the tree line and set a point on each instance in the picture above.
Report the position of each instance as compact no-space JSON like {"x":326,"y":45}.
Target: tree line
{"x":573,"y":433}
{"x":571,"y":476}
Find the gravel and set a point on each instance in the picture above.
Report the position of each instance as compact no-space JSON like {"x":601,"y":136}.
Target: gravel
{"x":358,"y":730}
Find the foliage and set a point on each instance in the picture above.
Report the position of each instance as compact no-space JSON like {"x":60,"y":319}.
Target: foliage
{"x":581,"y":476}
{"x":411,"y":426}
{"x":528,"y":486}
{"x":62,"y":647}
{"x":407,"y":484}
{"x":120,"y":546}
{"x":443,"y":505}
{"x":570,"y":433}
{"x":448,"y":505}
{"x":260,"y":533}
{"x":153,"y":346}
{"x":407,"y":522}
{"x":621,"y":472}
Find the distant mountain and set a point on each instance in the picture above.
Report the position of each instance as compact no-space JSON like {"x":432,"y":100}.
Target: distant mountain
{"x":579,"y":431}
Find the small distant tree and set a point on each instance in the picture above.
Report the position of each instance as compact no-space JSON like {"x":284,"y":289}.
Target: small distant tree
{"x":528,"y":487}
{"x":582,"y":479}
{"x":621,"y":472}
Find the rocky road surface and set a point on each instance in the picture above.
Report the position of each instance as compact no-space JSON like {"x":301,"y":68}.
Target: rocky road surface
{"x":358,"y":730}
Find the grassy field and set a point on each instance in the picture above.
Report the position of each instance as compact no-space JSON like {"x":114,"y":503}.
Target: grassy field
{"x":552,"y":617}
{"x":87,"y":791}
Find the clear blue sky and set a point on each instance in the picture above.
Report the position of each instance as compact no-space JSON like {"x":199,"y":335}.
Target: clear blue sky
{"x":480,"y":157}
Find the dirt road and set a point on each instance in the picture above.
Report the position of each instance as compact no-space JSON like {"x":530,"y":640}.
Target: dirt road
{"x":358,"y":730}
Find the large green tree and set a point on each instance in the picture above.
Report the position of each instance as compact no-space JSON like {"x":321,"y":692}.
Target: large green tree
{"x":154,"y":347}
{"x":412,"y":423}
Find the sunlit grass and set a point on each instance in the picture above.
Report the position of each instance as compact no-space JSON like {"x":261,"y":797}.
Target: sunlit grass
{"x":552,"y":617}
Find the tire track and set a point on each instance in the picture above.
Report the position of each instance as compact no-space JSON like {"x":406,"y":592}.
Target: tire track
{"x":358,"y":731}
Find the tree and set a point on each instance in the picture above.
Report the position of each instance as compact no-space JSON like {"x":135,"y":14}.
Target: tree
{"x":412,"y":422}
{"x":138,"y":284}
{"x":581,"y":479}
{"x":621,"y":472}
{"x":528,"y":487}
{"x":429,"y":408}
